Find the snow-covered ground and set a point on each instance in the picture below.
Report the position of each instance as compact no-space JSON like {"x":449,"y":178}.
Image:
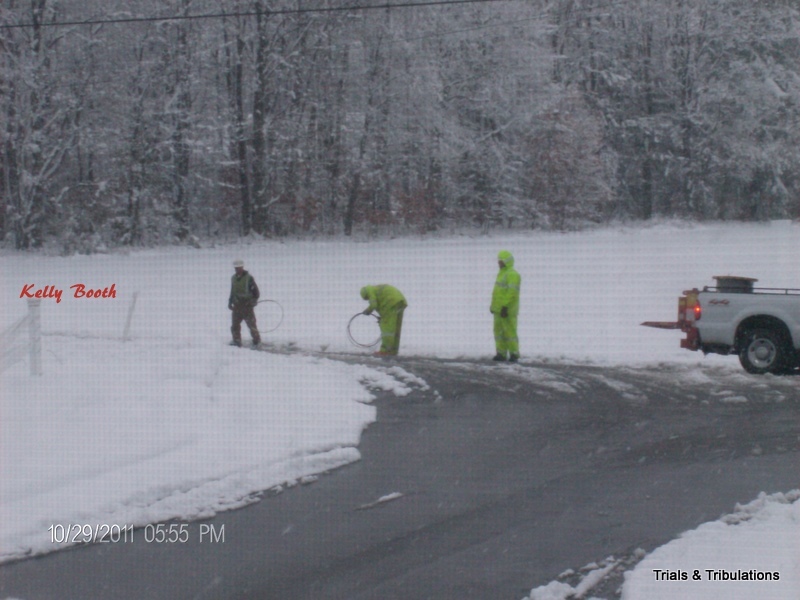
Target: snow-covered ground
{"x":753,"y":552}
{"x":174,"y":423}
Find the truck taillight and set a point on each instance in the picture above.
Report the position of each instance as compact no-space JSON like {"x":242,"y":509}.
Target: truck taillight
{"x":689,"y":312}
{"x":689,"y":309}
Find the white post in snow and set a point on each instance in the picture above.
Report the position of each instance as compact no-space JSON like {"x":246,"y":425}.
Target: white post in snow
{"x":126,"y":335}
{"x":35,"y":335}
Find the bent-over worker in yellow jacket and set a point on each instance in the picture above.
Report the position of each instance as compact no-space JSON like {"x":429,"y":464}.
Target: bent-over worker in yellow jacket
{"x":390,"y":304}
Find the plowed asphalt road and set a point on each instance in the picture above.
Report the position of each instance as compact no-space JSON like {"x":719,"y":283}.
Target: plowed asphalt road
{"x":498,"y":478}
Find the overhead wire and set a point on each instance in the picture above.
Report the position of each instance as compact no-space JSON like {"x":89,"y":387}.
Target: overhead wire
{"x":252,"y":13}
{"x":586,"y":12}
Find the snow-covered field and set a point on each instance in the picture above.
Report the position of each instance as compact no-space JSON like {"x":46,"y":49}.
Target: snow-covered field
{"x":174,"y":423}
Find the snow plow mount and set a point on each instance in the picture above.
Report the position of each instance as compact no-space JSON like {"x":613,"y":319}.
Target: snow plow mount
{"x":689,"y":312}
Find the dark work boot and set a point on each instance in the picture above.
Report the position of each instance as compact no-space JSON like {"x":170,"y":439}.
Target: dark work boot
{"x":499,"y":357}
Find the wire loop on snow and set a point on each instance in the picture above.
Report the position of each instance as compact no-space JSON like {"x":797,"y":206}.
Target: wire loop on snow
{"x":356,"y":342}
{"x":280,"y":319}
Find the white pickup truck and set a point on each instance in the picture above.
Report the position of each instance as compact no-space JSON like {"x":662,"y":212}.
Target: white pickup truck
{"x":761,"y":325}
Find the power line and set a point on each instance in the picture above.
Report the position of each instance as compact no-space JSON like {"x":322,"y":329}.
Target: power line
{"x":279,"y":12}
{"x":585,"y":11}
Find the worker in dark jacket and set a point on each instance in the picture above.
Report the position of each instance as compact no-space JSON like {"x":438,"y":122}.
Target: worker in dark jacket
{"x":242,"y":301}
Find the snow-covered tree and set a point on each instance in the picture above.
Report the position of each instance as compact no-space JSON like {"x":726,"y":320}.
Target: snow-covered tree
{"x":161,"y":120}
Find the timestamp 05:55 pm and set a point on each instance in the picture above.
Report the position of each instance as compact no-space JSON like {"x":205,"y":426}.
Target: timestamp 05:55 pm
{"x":158,"y":533}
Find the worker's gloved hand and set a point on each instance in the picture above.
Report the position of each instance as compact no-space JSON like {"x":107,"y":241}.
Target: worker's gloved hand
{"x":504,"y":312}
{"x":367,"y":311}
{"x":254,"y":303}
{"x":230,"y":305}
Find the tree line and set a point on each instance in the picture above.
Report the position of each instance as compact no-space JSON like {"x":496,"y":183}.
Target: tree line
{"x":163,"y":121}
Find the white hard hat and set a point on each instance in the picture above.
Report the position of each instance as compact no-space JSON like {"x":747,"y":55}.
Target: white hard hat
{"x":238,"y":263}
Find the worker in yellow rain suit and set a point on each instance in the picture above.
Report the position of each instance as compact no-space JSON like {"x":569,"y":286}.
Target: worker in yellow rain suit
{"x":505,"y":308}
{"x":390,"y":304}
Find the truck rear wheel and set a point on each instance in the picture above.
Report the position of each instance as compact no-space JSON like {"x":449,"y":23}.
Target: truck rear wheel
{"x":764,"y":351}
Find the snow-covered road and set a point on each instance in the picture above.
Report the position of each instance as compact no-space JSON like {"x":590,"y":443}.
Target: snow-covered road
{"x":467,"y":485}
